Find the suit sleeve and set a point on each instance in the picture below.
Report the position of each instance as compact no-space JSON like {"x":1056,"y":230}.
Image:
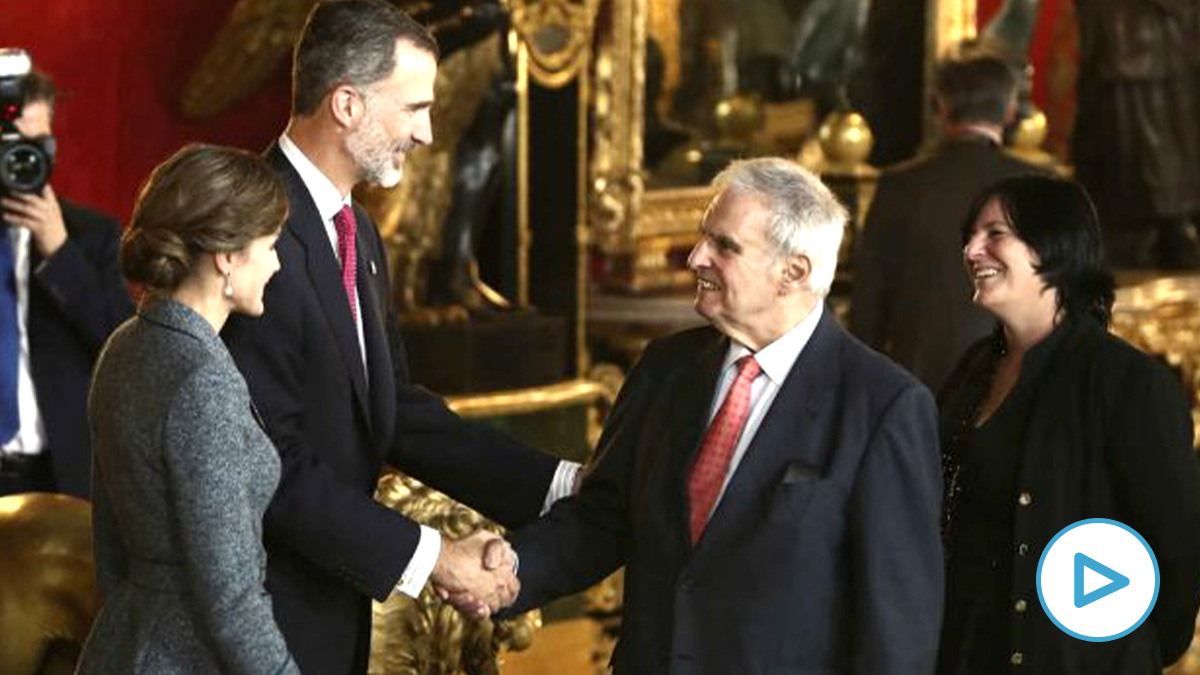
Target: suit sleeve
{"x":584,"y":538}
{"x":332,"y":524}
{"x":204,"y":438}
{"x":83,"y":276}
{"x":1149,"y":447}
{"x":870,"y":301}
{"x":896,"y":552}
{"x":501,"y":478}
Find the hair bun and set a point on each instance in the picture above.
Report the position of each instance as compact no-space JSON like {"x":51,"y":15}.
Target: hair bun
{"x":154,"y":257}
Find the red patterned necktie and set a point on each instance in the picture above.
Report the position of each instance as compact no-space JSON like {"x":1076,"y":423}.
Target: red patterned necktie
{"x":346,"y":225}
{"x":712,"y":462}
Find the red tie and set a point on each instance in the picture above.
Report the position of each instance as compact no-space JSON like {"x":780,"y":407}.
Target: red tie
{"x":712,"y":463}
{"x":345,"y":224}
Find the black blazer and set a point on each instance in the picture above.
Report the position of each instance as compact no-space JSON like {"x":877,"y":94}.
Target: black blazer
{"x":76,"y":299}
{"x":330,"y":546}
{"x":1110,"y":437}
{"x":823,"y":556}
{"x":912,"y":299}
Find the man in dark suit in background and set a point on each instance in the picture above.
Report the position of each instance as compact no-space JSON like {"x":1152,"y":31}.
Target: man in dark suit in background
{"x":771,"y":485}
{"x":69,"y":297}
{"x":911,"y":298}
{"x":326,"y":366}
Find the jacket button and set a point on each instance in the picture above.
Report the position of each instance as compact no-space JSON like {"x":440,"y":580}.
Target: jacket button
{"x":1023,"y":549}
{"x":1016,"y":659}
{"x":1025,"y":499}
{"x":1020,"y":606}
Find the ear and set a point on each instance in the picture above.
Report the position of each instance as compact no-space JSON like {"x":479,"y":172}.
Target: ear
{"x":346,"y":106}
{"x":223,"y":262}
{"x":1010,"y":110}
{"x":796,"y":271}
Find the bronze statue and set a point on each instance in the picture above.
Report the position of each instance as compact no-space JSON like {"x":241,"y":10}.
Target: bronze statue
{"x":1136,"y":144}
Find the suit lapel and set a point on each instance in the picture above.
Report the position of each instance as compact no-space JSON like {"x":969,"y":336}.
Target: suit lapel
{"x":324,"y":272}
{"x":790,"y":431}
{"x":688,"y":423}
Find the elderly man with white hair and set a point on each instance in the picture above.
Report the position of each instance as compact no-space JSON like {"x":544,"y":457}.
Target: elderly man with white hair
{"x":771,"y":485}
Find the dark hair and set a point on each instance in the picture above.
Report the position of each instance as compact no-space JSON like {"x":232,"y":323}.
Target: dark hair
{"x":204,"y":199}
{"x":974,"y":85}
{"x":1057,"y":220}
{"x":39,"y":88}
{"x":350,"y":42}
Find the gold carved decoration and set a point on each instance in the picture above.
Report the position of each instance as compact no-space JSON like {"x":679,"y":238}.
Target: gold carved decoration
{"x":425,"y":636}
{"x":615,"y":163}
{"x":249,"y":48}
{"x":640,"y":234}
{"x":557,"y":33}
{"x":1163,"y":317}
{"x":48,"y":594}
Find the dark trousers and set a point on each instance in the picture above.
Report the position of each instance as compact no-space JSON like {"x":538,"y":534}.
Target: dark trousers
{"x":22,"y":473}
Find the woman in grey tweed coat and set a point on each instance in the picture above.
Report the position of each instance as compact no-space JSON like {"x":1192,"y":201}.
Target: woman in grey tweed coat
{"x":182,"y":469}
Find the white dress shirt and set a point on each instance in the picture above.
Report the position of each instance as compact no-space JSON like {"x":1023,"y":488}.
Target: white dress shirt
{"x":776,"y":361}
{"x":31,"y":436}
{"x":329,"y":202}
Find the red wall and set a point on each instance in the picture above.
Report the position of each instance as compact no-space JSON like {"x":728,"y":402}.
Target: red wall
{"x":120,"y":66}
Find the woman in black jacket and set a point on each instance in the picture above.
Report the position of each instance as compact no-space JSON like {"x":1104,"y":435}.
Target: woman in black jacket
{"x":1049,"y":421}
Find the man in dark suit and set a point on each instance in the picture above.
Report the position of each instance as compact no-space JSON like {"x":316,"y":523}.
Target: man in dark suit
{"x":326,"y":366}
{"x":771,"y":485}
{"x":69,"y":297}
{"x":911,"y":298}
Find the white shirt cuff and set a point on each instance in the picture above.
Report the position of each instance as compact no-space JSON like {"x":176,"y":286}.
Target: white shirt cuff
{"x":560,"y":486}
{"x":421,"y":565}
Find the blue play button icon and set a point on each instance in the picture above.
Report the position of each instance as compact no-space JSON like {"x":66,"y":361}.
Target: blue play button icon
{"x":1116,"y":582}
{"x":1071,"y":578}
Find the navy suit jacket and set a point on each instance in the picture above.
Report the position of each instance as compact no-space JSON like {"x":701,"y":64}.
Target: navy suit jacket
{"x":76,"y":299}
{"x":823,"y":555}
{"x":330,"y":546}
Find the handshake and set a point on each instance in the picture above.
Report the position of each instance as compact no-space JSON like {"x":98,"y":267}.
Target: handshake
{"x":476,"y":574}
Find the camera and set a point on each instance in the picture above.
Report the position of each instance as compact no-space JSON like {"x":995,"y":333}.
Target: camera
{"x":25,"y":162}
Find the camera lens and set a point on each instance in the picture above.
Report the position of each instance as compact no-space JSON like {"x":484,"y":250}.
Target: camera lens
{"x":24,"y":167}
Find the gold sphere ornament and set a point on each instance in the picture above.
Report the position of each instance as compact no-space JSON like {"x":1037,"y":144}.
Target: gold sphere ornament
{"x":1031,"y":132}
{"x":846,"y":139}
{"x":738,"y":117}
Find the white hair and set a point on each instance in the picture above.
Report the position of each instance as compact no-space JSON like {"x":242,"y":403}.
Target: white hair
{"x":805,"y":217}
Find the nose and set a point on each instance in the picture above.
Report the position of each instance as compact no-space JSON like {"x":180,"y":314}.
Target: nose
{"x":275,"y":267}
{"x":699,"y":256}
{"x":974,"y":246}
{"x":423,"y":131}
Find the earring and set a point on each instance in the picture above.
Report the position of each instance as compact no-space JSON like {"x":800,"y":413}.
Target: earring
{"x":228,"y":291}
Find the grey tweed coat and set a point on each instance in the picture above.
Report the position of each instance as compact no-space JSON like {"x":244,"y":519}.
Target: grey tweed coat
{"x":182,"y":473}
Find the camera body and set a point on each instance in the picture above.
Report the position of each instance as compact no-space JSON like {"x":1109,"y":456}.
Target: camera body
{"x":25,"y":163}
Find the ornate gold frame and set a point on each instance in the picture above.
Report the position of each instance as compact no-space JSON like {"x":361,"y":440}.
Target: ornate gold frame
{"x":635,"y":229}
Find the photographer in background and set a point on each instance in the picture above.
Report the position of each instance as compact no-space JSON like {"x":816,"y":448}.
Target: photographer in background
{"x":59,"y":281}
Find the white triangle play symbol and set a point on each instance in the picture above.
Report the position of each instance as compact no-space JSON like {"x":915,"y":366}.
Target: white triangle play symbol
{"x":1093,"y":580}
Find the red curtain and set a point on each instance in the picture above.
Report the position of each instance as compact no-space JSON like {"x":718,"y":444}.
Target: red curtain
{"x":120,"y":66}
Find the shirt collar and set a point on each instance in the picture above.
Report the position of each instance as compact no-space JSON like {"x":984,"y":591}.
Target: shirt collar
{"x":777,"y":358}
{"x":325,"y":195}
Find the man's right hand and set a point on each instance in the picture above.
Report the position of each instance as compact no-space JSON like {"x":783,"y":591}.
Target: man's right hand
{"x":476,"y":574}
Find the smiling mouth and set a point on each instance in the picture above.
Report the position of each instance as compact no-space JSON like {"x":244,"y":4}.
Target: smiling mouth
{"x":984,"y":273}
{"x":706,"y":285}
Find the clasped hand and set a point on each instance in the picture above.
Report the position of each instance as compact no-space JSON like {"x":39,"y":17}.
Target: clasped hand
{"x":476,"y":574}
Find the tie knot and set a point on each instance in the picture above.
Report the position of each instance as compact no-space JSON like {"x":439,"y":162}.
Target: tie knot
{"x":748,"y":367}
{"x":344,"y":221}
